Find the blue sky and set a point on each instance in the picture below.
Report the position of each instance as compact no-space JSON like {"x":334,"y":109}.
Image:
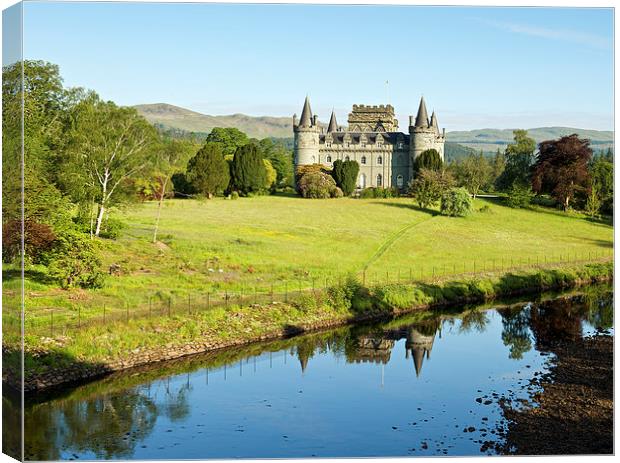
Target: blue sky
{"x":478,"y":67}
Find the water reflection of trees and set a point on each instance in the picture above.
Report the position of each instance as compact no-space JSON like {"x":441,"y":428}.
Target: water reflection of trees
{"x":516,"y":330}
{"x":108,"y":421}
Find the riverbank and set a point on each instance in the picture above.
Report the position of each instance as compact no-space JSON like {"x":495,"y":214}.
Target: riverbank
{"x":94,"y":351}
{"x":575,"y":408}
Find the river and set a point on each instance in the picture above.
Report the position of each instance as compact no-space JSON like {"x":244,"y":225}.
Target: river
{"x":424,"y":384}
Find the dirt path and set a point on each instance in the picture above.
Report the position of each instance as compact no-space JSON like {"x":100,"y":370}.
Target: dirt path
{"x":390,"y":240}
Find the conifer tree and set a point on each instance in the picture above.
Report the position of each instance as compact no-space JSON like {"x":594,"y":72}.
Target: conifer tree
{"x":247,"y":170}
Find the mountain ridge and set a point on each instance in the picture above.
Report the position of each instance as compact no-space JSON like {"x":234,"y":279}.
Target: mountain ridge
{"x":488,"y":139}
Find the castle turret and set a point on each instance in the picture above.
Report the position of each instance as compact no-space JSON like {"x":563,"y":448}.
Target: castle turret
{"x":306,"y":137}
{"x":333,"y":125}
{"x":424,"y":134}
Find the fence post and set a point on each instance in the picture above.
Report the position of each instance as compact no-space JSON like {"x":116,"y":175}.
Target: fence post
{"x":387,"y":278}
{"x":79,"y":316}
{"x":208,"y":300}
{"x":226,"y":298}
{"x":169,"y":305}
{"x":410,"y":279}
{"x":52,"y":322}
{"x":255,"y":296}
{"x":189,"y":303}
{"x":104,"y":314}
{"x":286,"y":291}
{"x":127,"y":311}
{"x":149,"y":306}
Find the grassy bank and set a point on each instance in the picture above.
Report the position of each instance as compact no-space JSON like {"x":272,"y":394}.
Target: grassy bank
{"x":282,"y":244}
{"x":341,"y":303}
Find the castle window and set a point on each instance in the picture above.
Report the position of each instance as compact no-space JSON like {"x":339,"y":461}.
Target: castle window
{"x":346,"y":158}
{"x":362,"y":181}
{"x":400,"y":145}
{"x":399,"y":181}
{"x":329,"y":159}
{"x":379,"y":160}
{"x":379,"y":180}
{"x":363,"y":160}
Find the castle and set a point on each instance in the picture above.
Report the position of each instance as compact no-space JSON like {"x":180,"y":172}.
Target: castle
{"x":384,"y":154}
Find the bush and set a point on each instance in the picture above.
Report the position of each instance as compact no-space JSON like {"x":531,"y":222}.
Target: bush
{"x":345,"y":175}
{"x":377,"y":192}
{"x":112,"y":229}
{"x":519,"y":196}
{"x":337,"y":193}
{"x":429,"y":159}
{"x":247,"y":170}
{"x":317,"y":185}
{"x":429,"y":186}
{"x":38,"y":238}
{"x":74,"y":261}
{"x":485,"y":209}
{"x":182,"y":187}
{"x":456,"y":202}
{"x":341,"y":295}
{"x":234,"y":195}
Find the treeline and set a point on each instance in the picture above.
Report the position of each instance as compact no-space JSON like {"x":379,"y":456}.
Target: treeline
{"x":85,"y":157}
{"x":231,"y":164}
{"x":562,"y":172}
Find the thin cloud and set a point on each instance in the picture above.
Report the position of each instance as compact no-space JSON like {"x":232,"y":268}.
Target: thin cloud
{"x":592,"y":40}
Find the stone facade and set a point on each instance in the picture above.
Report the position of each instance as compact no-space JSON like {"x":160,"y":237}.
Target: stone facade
{"x":384,"y":154}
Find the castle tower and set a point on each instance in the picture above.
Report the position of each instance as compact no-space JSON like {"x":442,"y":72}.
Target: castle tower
{"x":420,"y":346}
{"x":424,"y":134}
{"x":306,"y":137}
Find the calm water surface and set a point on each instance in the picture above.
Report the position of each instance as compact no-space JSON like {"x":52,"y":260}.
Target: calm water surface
{"x":401,"y":387}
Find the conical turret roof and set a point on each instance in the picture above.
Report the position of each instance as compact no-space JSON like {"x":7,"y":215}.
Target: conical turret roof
{"x":434,"y":123}
{"x":333,"y":125}
{"x":422,"y":118}
{"x":306,"y":115}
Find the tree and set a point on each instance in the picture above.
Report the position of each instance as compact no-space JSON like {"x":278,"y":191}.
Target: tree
{"x":229,"y":138}
{"x":498,"y":164}
{"x":602,"y":173}
{"x":429,"y":185}
{"x":456,"y":202}
{"x":345,"y":175}
{"x":562,"y":168}
{"x":519,"y":196}
{"x":473,"y":173}
{"x":170,"y":155}
{"x":519,"y":158}
{"x":593,"y":202}
{"x":271,"y":174}
{"x":208,"y":171}
{"x":281,"y":158}
{"x":429,"y":159}
{"x":108,"y":145}
{"x":248,"y":173}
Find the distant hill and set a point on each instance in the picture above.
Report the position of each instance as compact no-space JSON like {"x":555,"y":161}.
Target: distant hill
{"x":489,"y":140}
{"x":458,"y":143}
{"x":174,"y":117}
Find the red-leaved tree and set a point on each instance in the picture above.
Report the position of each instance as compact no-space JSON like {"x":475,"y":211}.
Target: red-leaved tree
{"x":561,"y":168}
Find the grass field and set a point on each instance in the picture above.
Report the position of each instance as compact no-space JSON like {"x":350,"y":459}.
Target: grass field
{"x":282,"y":243}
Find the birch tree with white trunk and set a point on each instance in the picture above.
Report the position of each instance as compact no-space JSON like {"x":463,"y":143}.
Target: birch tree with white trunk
{"x":109,"y":145}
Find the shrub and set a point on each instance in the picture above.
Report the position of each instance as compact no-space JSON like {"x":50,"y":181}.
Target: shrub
{"x":317,"y":185}
{"x":337,"y":193}
{"x":341,"y":295}
{"x":74,"y":261}
{"x":456,"y":202}
{"x":485,"y":209}
{"x":377,"y":192}
{"x":345,"y":175}
{"x":429,"y":186}
{"x":182,"y":187}
{"x":234,"y":195}
{"x":112,"y":229}
{"x":38,"y":238}
{"x":519,"y":196}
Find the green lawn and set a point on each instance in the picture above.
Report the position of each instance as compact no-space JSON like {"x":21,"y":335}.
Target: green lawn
{"x":289,"y":242}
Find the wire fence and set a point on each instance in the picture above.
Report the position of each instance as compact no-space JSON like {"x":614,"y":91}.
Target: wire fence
{"x":55,"y":321}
